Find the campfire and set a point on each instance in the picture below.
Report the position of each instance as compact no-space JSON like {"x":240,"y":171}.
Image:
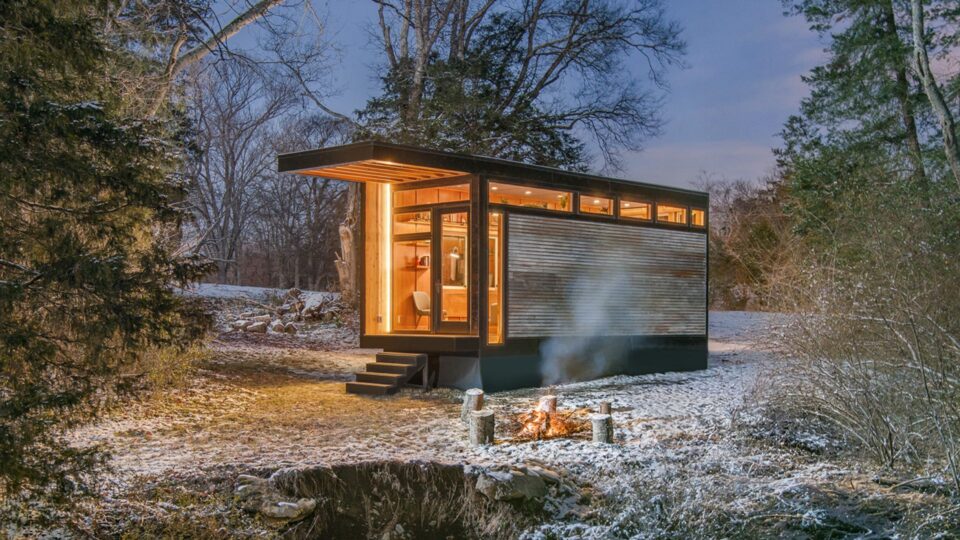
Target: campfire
{"x":544,"y":422}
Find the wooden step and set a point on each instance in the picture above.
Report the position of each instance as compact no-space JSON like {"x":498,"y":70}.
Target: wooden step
{"x":412,"y":359}
{"x":395,"y":379}
{"x":386,"y":367}
{"x":369,"y":388}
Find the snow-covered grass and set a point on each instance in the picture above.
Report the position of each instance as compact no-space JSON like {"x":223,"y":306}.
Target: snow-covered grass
{"x":681,"y":466}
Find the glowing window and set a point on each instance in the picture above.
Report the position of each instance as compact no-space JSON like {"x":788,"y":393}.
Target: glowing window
{"x":530,"y":197}
{"x":636,"y":210}
{"x":411,"y":223}
{"x":431,"y":195}
{"x":596,"y":205}
{"x":698,"y":217}
{"x":671,"y":214}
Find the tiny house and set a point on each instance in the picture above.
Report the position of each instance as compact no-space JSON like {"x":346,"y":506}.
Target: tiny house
{"x":481,"y":272}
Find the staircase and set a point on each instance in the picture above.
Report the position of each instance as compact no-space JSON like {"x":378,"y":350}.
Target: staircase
{"x":388,"y":373}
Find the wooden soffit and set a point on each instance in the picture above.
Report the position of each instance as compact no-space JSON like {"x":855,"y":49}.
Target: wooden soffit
{"x":373,"y":170}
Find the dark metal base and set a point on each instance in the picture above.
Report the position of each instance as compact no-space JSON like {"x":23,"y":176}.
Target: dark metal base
{"x":523,"y":363}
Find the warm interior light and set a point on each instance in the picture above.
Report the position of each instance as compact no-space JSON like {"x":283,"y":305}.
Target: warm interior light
{"x":494,"y":188}
{"x":388,"y":256}
{"x":528,"y":192}
{"x":627,"y":205}
{"x":596,"y":201}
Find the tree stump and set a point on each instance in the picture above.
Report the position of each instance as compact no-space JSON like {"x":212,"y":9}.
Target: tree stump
{"x":602,"y":428}
{"x":605,"y":407}
{"x":481,"y":427}
{"x":548,"y":404}
{"x":472,"y":401}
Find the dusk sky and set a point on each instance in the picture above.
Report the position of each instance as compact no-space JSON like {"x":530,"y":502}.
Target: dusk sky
{"x":723,"y":113}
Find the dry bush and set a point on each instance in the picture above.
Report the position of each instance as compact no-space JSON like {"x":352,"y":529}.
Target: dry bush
{"x":752,"y":244}
{"x":877,"y":347}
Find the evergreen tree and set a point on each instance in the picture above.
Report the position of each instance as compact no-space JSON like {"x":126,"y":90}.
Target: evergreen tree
{"x":85,"y":191}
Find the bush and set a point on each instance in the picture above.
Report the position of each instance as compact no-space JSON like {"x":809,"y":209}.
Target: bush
{"x":877,"y":346}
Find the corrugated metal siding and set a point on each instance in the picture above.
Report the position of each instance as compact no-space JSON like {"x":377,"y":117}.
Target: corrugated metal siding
{"x":569,"y":277}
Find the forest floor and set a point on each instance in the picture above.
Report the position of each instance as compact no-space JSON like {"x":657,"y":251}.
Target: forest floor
{"x":690,"y":459}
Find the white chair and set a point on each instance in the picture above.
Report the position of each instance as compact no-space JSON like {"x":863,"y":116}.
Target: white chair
{"x":421,"y":304}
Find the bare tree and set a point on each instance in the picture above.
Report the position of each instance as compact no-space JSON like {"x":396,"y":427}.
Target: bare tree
{"x":233,"y":107}
{"x":176,"y":34}
{"x":934,"y":93}
{"x":541,"y":46}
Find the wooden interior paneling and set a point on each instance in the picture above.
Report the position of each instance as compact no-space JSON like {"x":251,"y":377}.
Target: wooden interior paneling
{"x":572,"y":277}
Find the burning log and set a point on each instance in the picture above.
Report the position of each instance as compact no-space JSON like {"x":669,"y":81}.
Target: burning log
{"x":602,"y":428}
{"x":605,"y":407}
{"x":548,"y":404}
{"x":481,"y":427}
{"x":472,"y":401}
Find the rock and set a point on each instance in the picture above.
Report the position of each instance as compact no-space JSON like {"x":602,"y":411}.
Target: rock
{"x":247,"y":315}
{"x":257,"y":328}
{"x":549,"y":476}
{"x":261,"y":495}
{"x":512,"y":487}
{"x":286,"y":510}
{"x":261,"y":318}
{"x":290,"y":328}
{"x":321,"y":306}
{"x":277,"y":326}
{"x":240,"y":324}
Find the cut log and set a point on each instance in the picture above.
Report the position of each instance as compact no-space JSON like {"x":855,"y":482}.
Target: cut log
{"x":472,"y":401}
{"x":605,"y":407}
{"x":602,"y":428}
{"x":481,"y":427}
{"x":548,"y":404}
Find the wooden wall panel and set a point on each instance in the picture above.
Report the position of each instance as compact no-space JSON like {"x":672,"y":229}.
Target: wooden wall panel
{"x":569,"y":277}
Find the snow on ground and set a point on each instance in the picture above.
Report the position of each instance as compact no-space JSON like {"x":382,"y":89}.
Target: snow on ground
{"x":266,"y":405}
{"x":270,"y":406}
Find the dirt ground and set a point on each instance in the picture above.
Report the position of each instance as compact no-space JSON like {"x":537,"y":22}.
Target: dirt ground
{"x":683,"y":463}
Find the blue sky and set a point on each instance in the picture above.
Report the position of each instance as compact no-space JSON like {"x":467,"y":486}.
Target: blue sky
{"x":745,"y":60}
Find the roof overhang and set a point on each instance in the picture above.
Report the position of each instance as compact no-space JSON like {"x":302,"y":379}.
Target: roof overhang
{"x":375,"y":161}
{"x":366,"y":162}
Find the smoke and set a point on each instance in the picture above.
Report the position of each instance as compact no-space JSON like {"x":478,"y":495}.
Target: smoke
{"x":585,"y":354}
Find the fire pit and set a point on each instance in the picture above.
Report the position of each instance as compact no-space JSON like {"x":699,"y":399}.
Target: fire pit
{"x":545,"y":422}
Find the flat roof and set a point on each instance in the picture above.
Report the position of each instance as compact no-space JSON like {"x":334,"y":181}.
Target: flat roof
{"x":374,"y":161}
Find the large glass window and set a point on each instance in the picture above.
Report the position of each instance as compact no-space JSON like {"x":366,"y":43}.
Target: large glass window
{"x":495,"y":280}
{"x":411,"y":285}
{"x":431,"y":195}
{"x":530,"y":197}
{"x":636,"y":210}
{"x":671,"y":214}
{"x":698,"y":217}
{"x":596,"y":205}
{"x":454,"y":228}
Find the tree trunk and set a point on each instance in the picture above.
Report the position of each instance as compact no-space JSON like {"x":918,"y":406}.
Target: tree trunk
{"x":347,"y":261}
{"x":907,"y":116}
{"x":934,"y":94}
{"x":481,"y":427}
{"x":472,"y":401}
{"x":548,"y":404}
{"x":602,"y":428}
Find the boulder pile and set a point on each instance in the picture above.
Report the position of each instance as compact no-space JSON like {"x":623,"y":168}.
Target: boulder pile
{"x":296,"y":307}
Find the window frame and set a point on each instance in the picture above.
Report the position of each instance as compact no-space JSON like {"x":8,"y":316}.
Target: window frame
{"x":686,"y":214}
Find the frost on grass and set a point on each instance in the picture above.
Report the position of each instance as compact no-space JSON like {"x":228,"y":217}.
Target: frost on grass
{"x":688,"y":460}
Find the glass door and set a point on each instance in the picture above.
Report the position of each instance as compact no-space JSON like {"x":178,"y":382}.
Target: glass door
{"x":452,"y":278}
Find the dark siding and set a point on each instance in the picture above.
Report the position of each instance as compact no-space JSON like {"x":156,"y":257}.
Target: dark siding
{"x":572,"y":277}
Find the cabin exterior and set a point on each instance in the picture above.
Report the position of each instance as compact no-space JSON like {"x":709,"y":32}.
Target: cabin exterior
{"x":481,"y":272}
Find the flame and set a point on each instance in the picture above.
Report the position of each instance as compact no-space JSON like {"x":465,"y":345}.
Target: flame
{"x":536,"y":424}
